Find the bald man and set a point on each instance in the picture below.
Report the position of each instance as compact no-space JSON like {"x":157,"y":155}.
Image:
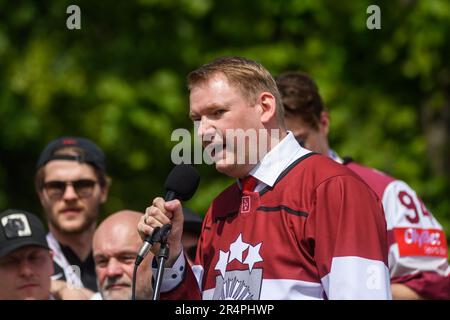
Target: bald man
{"x":115,"y":246}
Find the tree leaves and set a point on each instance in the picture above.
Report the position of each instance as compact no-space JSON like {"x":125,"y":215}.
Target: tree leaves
{"x":120,"y":81}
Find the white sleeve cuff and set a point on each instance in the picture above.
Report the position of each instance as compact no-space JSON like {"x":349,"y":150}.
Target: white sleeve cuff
{"x":172,"y":276}
{"x":357,"y":278}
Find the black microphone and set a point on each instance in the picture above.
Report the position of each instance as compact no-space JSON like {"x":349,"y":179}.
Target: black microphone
{"x":181,"y":183}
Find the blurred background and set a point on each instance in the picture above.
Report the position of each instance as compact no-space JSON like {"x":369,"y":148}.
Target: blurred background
{"x":120,"y":81}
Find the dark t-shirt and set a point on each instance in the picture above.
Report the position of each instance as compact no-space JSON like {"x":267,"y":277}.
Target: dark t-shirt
{"x":87,"y":268}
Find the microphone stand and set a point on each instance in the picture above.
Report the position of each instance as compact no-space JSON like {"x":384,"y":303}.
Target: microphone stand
{"x":163,"y":255}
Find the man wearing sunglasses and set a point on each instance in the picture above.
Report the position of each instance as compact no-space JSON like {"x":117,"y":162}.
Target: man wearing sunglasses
{"x":71,"y":183}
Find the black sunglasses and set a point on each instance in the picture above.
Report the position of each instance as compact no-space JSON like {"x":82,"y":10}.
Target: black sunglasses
{"x":56,"y":189}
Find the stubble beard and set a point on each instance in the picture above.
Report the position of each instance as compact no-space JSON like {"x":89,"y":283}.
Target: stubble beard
{"x":86,"y":224}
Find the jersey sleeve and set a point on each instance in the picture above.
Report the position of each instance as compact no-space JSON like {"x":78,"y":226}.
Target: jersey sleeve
{"x":417,"y":244}
{"x":429,"y":285}
{"x":187,"y":288}
{"x":189,"y":285}
{"x":347,"y":230}
{"x":179,"y":282}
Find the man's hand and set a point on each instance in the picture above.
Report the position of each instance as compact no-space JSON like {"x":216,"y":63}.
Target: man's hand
{"x":403,"y":292}
{"x":61,"y":291}
{"x":159,"y":214}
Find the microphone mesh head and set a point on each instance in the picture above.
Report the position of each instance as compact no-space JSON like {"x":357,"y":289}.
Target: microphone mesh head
{"x":183,"y":180}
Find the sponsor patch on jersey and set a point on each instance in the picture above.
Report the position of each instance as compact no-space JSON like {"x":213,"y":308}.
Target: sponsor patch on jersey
{"x":421,"y":242}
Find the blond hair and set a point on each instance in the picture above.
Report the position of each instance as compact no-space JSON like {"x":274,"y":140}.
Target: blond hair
{"x":250,"y":77}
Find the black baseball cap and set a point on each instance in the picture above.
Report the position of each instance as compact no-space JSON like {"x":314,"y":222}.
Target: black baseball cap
{"x":20,"y":229}
{"x":192,"y":221}
{"x":92,"y":153}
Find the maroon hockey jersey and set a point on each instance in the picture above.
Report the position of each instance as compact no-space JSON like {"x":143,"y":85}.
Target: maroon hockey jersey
{"x":319,"y":232}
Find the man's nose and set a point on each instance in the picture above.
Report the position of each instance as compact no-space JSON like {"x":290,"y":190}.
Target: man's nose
{"x":114,"y":268}
{"x":25,"y":268}
{"x":205,"y":130}
{"x":70,"y":193}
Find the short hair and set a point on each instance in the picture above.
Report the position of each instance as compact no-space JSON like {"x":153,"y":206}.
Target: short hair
{"x":101,"y":175}
{"x":250,"y":77}
{"x":300,"y":96}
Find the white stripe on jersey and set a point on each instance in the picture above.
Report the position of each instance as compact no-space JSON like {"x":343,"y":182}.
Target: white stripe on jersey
{"x":291,"y":289}
{"x":357,"y":278}
{"x":350,"y":278}
{"x":401,"y":266}
{"x":283,"y":289}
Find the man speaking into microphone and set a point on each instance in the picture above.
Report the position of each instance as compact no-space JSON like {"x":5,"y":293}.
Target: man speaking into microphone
{"x":295,"y":225}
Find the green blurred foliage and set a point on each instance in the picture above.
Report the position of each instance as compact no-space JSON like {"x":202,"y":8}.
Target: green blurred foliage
{"x":120,"y":81}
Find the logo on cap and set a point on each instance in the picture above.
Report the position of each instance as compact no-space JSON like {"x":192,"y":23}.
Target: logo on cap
{"x":16,"y":225}
{"x":69,"y":141}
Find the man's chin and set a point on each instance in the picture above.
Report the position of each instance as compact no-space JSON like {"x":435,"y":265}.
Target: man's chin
{"x":232,"y":170}
{"x":122,"y":294}
{"x":72,"y":227}
{"x":35,"y":295}
{"x":224,"y":167}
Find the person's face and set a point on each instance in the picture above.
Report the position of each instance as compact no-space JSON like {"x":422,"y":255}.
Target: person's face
{"x":114,"y":254}
{"x":72,"y":212}
{"x":313,"y":139}
{"x":25,"y":274}
{"x":218,"y":107}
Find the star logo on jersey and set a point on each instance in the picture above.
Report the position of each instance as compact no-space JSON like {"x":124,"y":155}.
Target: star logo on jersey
{"x":236,"y":252}
{"x":239,"y":284}
{"x":222,"y":263}
{"x":253,"y":256}
{"x":237,"y":248}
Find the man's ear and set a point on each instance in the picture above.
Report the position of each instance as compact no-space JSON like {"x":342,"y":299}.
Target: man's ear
{"x":324,"y":122}
{"x":105,"y":190}
{"x":268,"y":107}
{"x":41,"y":196}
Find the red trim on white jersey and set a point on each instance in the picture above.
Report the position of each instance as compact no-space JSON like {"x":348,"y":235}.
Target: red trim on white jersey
{"x":421,"y":242}
{"x":417,"y":242}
